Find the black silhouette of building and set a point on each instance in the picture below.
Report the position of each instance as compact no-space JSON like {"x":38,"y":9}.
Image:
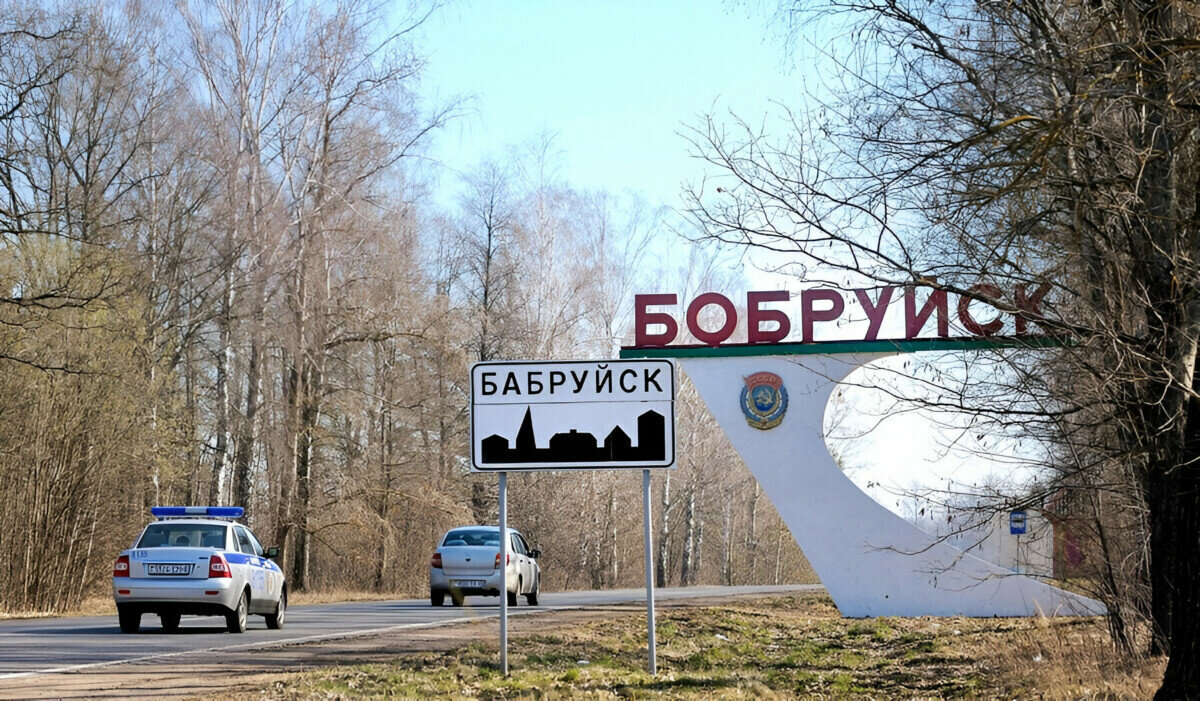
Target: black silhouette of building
{"x":617,"y":445}
{"x":525,"y":440}
{"x":652,"y":435}
{"x":573,"y":443}
{"x":576,"y":447}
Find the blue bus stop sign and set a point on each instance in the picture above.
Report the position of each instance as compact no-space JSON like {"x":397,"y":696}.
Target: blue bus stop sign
{"x":1016,"y":523}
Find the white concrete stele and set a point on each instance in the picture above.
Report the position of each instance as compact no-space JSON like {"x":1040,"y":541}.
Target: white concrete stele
{"x":872,"y":562}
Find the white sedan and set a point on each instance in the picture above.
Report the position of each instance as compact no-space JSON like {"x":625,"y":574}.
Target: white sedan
{"x":467,"y":563}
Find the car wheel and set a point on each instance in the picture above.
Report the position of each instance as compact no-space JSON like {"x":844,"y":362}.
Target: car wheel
{"x":275,"y":620}
{"x":512,"y":597}
{"x":437,"y":598}
{"x":531,"y":597}
{"x":456,"y":598}
{"x":235,"y":620}
{"x":170,"y":621}
{"x":129,"y":619}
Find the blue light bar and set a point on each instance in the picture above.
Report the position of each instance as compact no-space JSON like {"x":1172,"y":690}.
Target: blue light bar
{"x":210,"y":511}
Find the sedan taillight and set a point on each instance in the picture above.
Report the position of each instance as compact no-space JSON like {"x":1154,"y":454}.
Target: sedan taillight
{"x":436,"y":561}
{"x":217,"y":567}
{"x":121,"y":566}
{"x":507,"y":560}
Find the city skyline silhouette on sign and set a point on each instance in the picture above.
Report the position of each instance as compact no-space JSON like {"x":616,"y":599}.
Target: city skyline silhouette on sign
{"x":580,"y":447}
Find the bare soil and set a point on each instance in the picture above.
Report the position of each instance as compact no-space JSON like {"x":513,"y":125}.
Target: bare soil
{"x":776,"y":647}
{"x":779,"y":647}
{"x":225,"y":674}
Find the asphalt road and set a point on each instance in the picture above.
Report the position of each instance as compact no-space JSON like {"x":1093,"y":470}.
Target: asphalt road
{"x":56,"y":645}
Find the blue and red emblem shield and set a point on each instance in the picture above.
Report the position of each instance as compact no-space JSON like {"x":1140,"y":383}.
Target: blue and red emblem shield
{"x":764,"y":400}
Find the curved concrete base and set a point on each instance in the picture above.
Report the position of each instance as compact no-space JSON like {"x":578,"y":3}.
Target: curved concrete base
{"x":872,"y":562}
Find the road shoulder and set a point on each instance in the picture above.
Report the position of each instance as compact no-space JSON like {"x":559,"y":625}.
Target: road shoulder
{"x":221,"y":673}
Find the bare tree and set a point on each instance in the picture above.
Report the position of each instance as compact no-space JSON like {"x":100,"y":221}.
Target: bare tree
{"x":225,"y":280}
{"x":1045,"y":147}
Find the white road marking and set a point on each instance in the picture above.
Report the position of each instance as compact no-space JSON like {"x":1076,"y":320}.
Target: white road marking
{"x":285,"y":641}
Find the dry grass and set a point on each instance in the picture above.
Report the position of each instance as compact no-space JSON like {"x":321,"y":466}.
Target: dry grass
{"x":1076,"y":660}
{"x":91,"y":606}
{"x":782,"y":647}
{"x":335,"y":596}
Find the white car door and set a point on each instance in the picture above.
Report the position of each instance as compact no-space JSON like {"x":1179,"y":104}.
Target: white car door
{"x":531,"y":563}
{"x":271,"y":572}
{"x":252,"y":569}
{"x":522,"y":556}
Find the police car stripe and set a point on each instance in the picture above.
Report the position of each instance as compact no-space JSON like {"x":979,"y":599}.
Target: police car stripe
{"x":244,"y":559}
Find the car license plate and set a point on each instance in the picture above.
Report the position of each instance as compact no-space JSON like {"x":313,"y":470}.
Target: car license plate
{"x":468,"y":583}
{"x":178,"y":570}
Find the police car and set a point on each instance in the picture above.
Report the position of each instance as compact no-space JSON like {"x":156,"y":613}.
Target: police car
{"x":195,"y":560}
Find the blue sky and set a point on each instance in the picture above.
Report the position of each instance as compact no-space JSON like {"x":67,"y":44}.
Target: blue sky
{"x":615,"y":81}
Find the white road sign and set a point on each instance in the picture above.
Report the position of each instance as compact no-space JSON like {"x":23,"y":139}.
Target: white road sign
{"x":572,"y":415}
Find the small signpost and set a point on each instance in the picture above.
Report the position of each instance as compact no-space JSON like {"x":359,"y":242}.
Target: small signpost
{"x":573,"y":415}
{"x":1017,"y":523}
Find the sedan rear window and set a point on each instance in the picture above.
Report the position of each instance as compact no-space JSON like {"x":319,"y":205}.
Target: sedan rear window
{"x":183,"y":535}
{"x":472,"y":536}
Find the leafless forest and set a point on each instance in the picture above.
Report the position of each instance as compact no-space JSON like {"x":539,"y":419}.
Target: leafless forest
{"x":1051,"y":148}
{"x":226,"y":281}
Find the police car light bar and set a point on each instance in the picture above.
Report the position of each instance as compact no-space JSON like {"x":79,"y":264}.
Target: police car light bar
{"x":202,"y":511}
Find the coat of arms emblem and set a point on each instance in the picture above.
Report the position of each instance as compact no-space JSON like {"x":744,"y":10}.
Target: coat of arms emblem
{"x":764,"y":400}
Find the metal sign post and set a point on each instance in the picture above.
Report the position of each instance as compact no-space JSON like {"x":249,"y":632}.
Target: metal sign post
{"x":653,"y":647}
{"x":504,"y":569}
{"x":570,"y":415}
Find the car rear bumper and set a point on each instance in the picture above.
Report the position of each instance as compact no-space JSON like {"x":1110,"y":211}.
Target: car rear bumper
{"x":468,"y":584}
{"x":176,"y":594}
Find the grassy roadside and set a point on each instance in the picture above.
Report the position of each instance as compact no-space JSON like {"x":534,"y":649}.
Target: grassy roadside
{"x":339,"y":596}
{"x":777,"y":647}
{"x":91,"y":606}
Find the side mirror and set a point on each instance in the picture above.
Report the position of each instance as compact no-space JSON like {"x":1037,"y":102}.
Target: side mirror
{"x":271,"y":552}
{"x":535,"y":553}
